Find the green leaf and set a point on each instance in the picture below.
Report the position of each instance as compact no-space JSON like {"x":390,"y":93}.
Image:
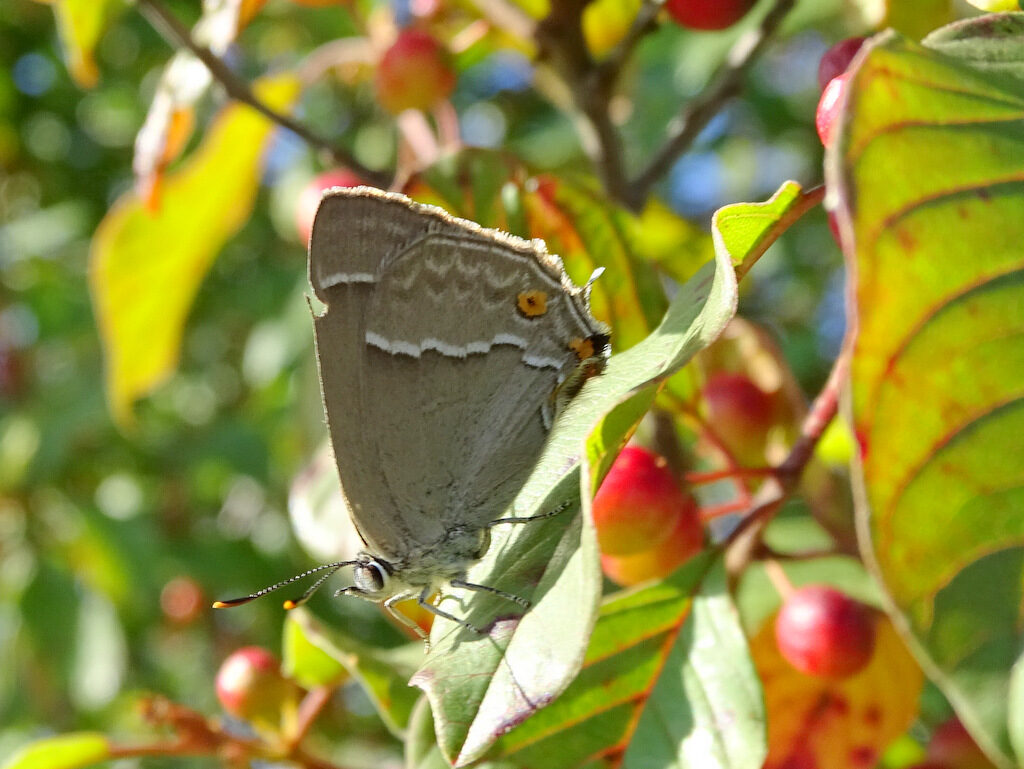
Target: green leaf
{"x":706,"y":709}
{"x":628,"y":648}
{"x":481,"y":686}
{"x":628,"y":296}
{"x":918,"y":18}
{"x":1016,"y":708}
{"x":676,"y":246}
{"x":81,"y":23}
{"x":667,"y":678}
{"x":927,"y":173}
{"x":68,"y":751}
{"x":383,"y":674}
{"x":145,"y":268}
{"x":989,"y":43}
{"x":745,"y":230}
{"x":303,"y":660}
{"x":421,"y":750}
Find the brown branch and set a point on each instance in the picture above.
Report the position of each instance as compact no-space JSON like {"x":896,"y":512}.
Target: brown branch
{"x":197,"y":735}
{"x":561,"y":44}
{"x":236,"y":88}
{"x":724,"y":86}
{"x":744,"y":541}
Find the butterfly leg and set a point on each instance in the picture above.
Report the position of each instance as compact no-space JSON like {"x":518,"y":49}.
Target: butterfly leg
{"x":389,"y":604}
{"x":492,"y":590}
{"x":539,"y":517}
{"x":422,"y":601}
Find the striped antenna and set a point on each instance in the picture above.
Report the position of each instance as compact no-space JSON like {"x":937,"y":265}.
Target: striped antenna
{"x":288,"y":604}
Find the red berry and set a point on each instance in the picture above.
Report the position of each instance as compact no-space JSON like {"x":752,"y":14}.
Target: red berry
{"x":708,"y":14}
{"x":740,"y":413}
{"x":182,"y":600}
{"x":953,"y":747}
{"x":685,"y":540}
{"x":822,"y":632}
{"x":828,"y":107}
{"x":836,"y":60}
{"x":639,"y":503}
{"x":309,"y":198}
{"x":250,"y":685}
{"x":413,"y":73}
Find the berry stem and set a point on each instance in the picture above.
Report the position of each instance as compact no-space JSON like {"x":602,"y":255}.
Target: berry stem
{"x":726,"y":508}
{"x":714,"y":476}
{"x":779,"y":579}
{"x":742,"y":544}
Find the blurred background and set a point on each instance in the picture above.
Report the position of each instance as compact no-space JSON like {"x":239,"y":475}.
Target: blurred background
{"x":114,"y":541}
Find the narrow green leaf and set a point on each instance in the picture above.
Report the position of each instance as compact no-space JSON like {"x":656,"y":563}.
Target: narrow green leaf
{"x":68,"y":751}
{"x":744,"y":230}
{"x":383,"y":674}
{"x":611,"y":435}
{"x":928,"y":176}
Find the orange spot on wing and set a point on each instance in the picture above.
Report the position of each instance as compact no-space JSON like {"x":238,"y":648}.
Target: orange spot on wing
{"x":532,"y":304}
{"x":584,"y":348}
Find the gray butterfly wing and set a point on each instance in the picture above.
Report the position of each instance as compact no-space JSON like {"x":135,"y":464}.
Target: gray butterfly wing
{"x":437,"y":379}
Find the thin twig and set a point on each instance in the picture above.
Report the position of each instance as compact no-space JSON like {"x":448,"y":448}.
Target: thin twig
{"x":743,"y":542}
{"x":714,"y":476}
{"x":724,"y":85}
{"x":236,"y":88}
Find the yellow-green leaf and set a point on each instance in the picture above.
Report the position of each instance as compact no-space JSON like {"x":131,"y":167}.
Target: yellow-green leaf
{"x":80,"y":24}
{"x":918,"y":18}
{"x":927,"y":172}
{"x":68,"y":751}
{"x":145,"y":269}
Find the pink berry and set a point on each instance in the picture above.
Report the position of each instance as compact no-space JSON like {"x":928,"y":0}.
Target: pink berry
{"x":414,"y":73}
{"x":249,"y":682}
{"x":836,"y":60}
{"x":309,"y":198}
{"x":639,"y":503}
{"x":740,"y":413}
{"x":952,"y":747}
{"x":182,"y":600}
{"x":828,"y":107}
{"x":708,"y":14}
{"x":822,"y":632}
{"x":684,"y":541}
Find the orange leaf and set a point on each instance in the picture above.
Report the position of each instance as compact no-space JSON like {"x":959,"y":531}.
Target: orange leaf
{"x":820,"y":723}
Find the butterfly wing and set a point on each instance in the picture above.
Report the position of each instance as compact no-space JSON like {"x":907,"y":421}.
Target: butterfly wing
{"x":440,"y":352}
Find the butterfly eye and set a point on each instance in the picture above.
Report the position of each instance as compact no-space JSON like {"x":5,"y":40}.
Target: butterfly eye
{"x":371,"y":577}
